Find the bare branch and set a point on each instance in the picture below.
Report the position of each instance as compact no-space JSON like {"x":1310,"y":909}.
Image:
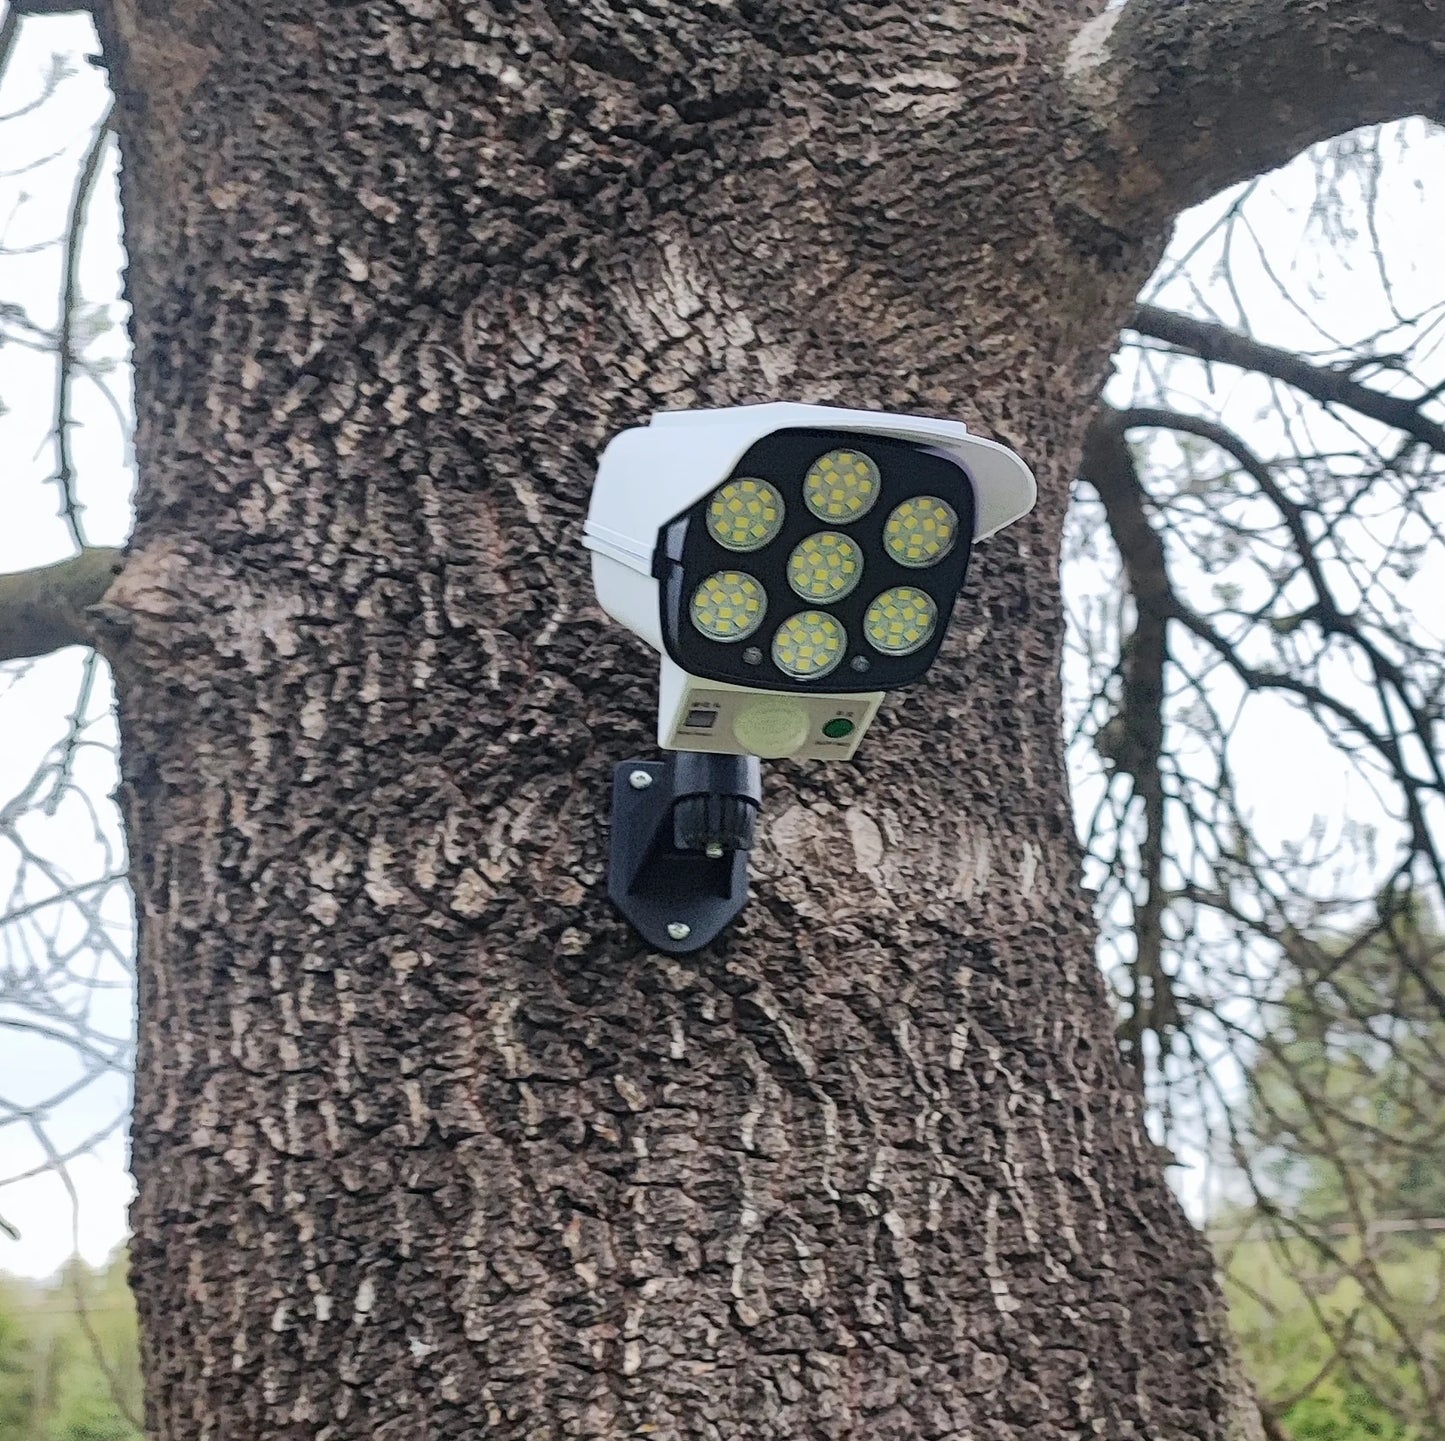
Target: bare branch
{"x":69,"y":300}
{"x":1133,"y":740}
{"x":1182,"y":98}
{"x":45,"y":610}
{"x":1210,"y":341}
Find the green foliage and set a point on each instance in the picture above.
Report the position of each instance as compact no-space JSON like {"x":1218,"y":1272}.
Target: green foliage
{"x":1346,"y":1119}
{"x":53,"y":1384}
{"x":1322,"y":1334}
{"x":1324,"y":1352}
{"x":1335,"y":1413}
{"x":1335,"y":1281}
{"x":17,"y":1373}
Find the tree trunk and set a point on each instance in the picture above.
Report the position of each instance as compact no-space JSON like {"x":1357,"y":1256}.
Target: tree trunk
{"x":427,"y":1144}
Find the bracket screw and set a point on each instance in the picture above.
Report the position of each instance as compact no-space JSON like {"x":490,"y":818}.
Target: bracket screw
{"x":639,"y":780}
{"x":678,"y":931}
{"x":714,"y":851}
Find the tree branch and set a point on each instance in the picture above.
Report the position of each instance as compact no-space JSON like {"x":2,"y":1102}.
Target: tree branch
{"x":45,"y":610}
{"x":1332,"y":620}
{"x":1181,"y":98}
{"x":1133,"y":740}
{"x":1210,"y":341}
{"x":70,"y":506}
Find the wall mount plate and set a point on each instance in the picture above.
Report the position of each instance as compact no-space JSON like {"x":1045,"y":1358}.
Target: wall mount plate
{"x":681,"y":830}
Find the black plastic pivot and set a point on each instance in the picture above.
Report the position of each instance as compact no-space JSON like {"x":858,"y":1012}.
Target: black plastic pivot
{"x":681,"y":831}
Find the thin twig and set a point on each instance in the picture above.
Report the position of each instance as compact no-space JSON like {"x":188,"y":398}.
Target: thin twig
{"x":69,"y":300}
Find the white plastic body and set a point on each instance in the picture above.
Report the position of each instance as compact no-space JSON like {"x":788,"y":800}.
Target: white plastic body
{"x":651,"y":473}
{"x":708,"y":715}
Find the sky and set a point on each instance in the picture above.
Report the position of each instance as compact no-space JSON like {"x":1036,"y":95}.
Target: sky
{"x":82,"y":838}
{"x":1329,"y":280}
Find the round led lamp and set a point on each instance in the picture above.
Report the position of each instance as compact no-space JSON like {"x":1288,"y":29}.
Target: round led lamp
{"x":841,"y":485}
{"x":901,"y":620}
{"x":825,"y":567}
{"x":808,"y":645}
{"x":745,"y":514}
{"x":921,"y":531}
{"x":728,"y":606}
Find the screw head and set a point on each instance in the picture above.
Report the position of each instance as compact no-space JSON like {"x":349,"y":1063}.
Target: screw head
{"x":713,"y":850}
{"x":678,"y":930}
{"x":639,"y":780}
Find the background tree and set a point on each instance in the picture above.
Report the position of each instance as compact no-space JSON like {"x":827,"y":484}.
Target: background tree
{"x":1019,"y":589}
{"x":1338,"y":1264}
{"x":69,"y":1375}
{"x":1228,"y":589}
{"x":1346,"y":1106}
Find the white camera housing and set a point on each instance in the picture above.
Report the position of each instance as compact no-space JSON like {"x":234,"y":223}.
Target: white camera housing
{"x":648,"y":475}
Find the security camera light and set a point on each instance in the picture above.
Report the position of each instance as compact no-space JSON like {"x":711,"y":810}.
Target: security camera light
{"x":791,"y":564}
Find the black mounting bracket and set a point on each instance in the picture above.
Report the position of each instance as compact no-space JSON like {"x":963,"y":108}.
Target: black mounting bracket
{"x":681,"y":831}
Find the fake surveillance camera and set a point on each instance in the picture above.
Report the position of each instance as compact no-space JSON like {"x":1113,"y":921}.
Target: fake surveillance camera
{"x":791,"y":564}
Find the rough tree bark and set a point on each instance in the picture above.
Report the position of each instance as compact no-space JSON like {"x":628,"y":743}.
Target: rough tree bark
{"x":426,"y":1144}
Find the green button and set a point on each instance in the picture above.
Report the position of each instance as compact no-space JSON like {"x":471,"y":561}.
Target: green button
{"x":835,"y":730}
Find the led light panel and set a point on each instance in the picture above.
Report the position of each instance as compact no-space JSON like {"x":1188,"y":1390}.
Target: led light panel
{"x":803,"y":603}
